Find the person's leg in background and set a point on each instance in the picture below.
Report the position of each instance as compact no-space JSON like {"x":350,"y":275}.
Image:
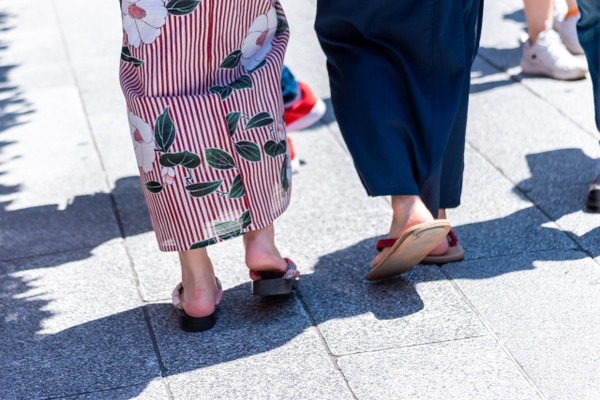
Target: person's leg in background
{"x":301,"y":108}
{"x":566,"y":15}
{"x":588,"y":29}
{"x":544,"y":53}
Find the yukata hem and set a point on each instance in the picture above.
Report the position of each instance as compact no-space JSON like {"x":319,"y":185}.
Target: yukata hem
{"x":253,"y":227}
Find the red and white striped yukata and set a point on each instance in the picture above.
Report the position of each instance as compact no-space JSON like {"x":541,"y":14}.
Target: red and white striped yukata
{"x":201,"y":80}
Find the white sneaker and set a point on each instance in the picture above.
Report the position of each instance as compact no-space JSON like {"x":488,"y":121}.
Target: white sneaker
{"x":549,"y":57}
{"x":567,"y":29}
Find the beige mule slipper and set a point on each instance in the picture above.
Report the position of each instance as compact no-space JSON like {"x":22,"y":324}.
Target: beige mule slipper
{"x":408,"y":250}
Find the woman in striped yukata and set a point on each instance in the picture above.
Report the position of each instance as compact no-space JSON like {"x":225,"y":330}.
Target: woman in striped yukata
{"x":201,"y":80}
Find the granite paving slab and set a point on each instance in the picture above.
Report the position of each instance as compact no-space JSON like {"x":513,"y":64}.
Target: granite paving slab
{"x":53,"y":189}
{"x":304,"y":55}
{"x":327,"y":183}
{"x":459,"y":369}
{"x":354,"y":315}
{"x":498,"y":123}
{"x":494,"y":219}
{"x":85,"y":222}
{"x":539,"y":305}
{"x":258,"y":349}
{"x":69,"y":330}
{"x":32,"y":42}
{"x":155,"y":390}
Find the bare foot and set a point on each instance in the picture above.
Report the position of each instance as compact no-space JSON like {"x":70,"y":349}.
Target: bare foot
{"x":261,"y":252}
{"x":408,"y":211}
{"x":200,"y":293}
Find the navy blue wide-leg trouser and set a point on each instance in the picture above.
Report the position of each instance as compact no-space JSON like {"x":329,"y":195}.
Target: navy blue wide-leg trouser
{"x":400,"y":74}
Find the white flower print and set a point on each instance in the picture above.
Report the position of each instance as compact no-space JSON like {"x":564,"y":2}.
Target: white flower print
{"x":168,"y":175}
{"x":142,"y":20}
{"x":281,"y":130}
{"x":257,"y":43}
{"x":143,"y":142}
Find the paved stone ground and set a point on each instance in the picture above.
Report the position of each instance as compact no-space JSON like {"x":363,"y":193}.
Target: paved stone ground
{"x":84,"y":292}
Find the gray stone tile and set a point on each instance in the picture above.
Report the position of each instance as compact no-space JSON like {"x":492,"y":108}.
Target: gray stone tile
{"x":487,"y":73}
{"x":495,"y":219}
{"x":56,"y":192}
{"x":574,"y":99}
{"x":85,"y":222}
{"x":303,"y":45}
{"x":113,"y":138}
{"x":355,"y":315}
{"x":155,"y":390}
{"x":131,"y":206}
{"x":507,"y":116}
{"x":327,"y":184}
{"x":308,"y":240}
{"x":462,"y":369}
{"x":540,"y":307}
{"x":258,"y":349}
{"x":33,"y":36}
{"x":72,"y":323}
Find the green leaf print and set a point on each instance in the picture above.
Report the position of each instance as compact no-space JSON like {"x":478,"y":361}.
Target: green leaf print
{"x":259,"y":120}
{"x":127,"y":57}
{"x":243,"y":82}
{"x":186,"y":159}
{"x":285,"y":183}
{"x":227,"y":230}
{"x":282,"y":26}
{"x":237,"y":188}
{"x":182,"y":7}
{"x":248,"y":150}
{"x":275,"y":149}
{"x":216,"y":89}
{"x":203,"y":189}
{"x":245,"y":220}
{"x":224,"y":91}
{"x":204,"y":243}
{"x":219,"y":159}
{"x":190,"y":160}
{"x":232,"y":60}
{"x":153,"y":187}
{"x":233,"y":119}
{"x":164,"y":131}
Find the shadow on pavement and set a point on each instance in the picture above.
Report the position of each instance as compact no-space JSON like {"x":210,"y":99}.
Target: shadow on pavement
{"x":13,"y":106}
{"x":84,"y":223}
{"x":117,"y":351}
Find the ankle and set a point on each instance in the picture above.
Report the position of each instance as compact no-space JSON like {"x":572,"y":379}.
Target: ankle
{"x":198,"y":281}
{"x":261,"y":252}
{"x":409,"y":211}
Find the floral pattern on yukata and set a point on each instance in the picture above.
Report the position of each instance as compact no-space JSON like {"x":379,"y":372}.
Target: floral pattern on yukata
{"x":143,"y":22}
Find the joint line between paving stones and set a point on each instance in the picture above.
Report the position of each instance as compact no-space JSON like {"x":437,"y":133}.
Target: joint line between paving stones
{"x":332,"y":357}
{"x":516,"y":79}
{"x":161,"y":364}
{"x":69,"y":396}
{"x":113,"y":202}
{"x":410,"y":346}
{"x":578,"y":246}
{"x":487,"y":326}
